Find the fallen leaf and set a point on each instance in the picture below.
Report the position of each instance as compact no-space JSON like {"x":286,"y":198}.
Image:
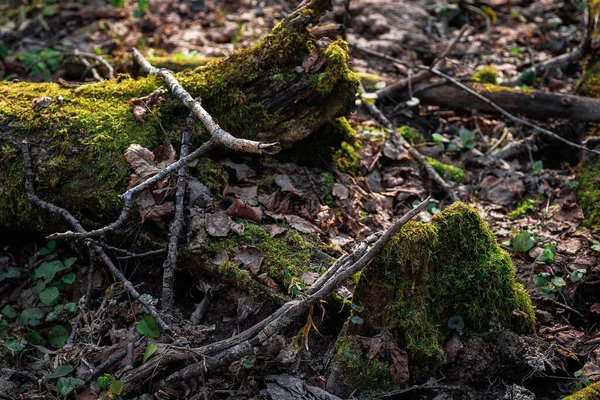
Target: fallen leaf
{"x":275,"y":229}
{"x":142,"y":162}
{"x":217,"y":225}
{"x":340,"y":191}
{"x":165,"y":155}
{"x":266,"y":280}
{"x":198,"y":194}
{"x":156,"y":212}
{"x":301,"y":225}
{"x":242,"y":171}
{"x":595,"y":308}
{"x":250,"y":258}
{"x":139,"y":114}
{"x":220,"y":258}
{"x":240,"y":209}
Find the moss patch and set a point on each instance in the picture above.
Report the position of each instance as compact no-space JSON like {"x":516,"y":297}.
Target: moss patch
{"x":446,"y":171}
{"x":591,"y":392}
{"x":527,"y":206}
{"x":588,"y":192}
{"x":486,"y":75}
{"x":287,"y":256}
{"x":425,"y":275}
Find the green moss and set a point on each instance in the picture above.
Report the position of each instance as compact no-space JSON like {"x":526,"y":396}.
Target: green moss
{"x":486,"y":75}
{"x":428,"y":273}
{"x":591,"y":392}
{"x":410,"y":134}
{"x":346,"y":157}
{"x":287,"y":256}
{"x":588,"y":192}
{"x":179,"y":62}
{"x":368,"y":375}
{"x":527,"y":206}
{"x":82,"y":166}
{"x":589,"y":84}
{"x":446,"y":171}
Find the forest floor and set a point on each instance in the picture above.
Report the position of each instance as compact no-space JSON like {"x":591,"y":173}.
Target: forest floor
{"x":528,"y":197}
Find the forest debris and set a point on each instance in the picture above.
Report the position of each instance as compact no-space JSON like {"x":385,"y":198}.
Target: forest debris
{"x":217,"y":224}
{"x":287,"y":387}
{"x":498,"y":190}
{"x":198,"y":194}
{"x":249,"y":258}
{"x":240,"y":209}
{"x":242,"y":171}
{"x":302,"y":225}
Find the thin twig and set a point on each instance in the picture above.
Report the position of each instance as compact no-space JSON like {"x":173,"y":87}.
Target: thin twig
{"x":225,"y":351}
{"x":176,"y":226}
{"x":128,"y":196}
{"x":223,"y":137}
{"x":33,"y":199}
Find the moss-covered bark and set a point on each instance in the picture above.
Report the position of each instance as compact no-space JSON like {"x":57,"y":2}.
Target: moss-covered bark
{"x":78,"y":138}
{"x":427,"y":274}
{"x":591,"y":392}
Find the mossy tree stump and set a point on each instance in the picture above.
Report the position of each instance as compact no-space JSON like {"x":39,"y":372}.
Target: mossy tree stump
{"x":427,"y":275}
{"x":279,"y":90}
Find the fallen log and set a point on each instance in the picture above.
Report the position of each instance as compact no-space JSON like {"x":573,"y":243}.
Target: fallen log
{"x":533,"y":103}
{"x":279,"y":90}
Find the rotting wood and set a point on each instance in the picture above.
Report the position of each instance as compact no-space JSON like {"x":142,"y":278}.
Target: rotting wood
{"x":534,"y":103}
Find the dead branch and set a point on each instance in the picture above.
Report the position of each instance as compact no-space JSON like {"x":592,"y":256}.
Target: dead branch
{"x":228,"y":350}
{"x":506,"y":113}
{"x":222,"y":137}
{"x":176,"y":226}
{"x":439,"y":63}
{"x":534,"y":103}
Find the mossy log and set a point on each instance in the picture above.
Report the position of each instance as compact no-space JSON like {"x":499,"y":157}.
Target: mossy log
{"x":279,"y":90}
{"x":591,"y":392}
{"x":534,"y":103}
{"x":427,"y":282}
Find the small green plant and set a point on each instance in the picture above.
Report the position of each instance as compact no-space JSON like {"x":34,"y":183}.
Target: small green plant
{"x":65,"y":384}
{"x":148,"y":326}
{"x":356,"y":319}
{"x":595,"y":245}
{"x":527,"y":206}
{"x":537,"y":167}
{"x":547,"y":284}
{"x":151,"y":348}
{"x":456,"y":322}
{"x":110,"y":383}
{"x":466,"y":141}
{"x":583,"y":380}
{"x":523,"y":241}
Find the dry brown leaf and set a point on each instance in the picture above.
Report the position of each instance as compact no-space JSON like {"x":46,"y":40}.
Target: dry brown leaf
{"x":156,"y":212}
{"x":302,"y":225}
{"x":217,"y":225}
{"x":266,"y":280}
{"x":250,"y":258}
{"x":340,"y":191}
{"x":139,"y":114}
{"x":240,"y":209}
{"x":142,"y":162}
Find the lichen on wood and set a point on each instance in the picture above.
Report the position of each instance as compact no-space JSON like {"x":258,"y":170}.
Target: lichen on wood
{"x":427,"y":274}
{"x":78,"y":134}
